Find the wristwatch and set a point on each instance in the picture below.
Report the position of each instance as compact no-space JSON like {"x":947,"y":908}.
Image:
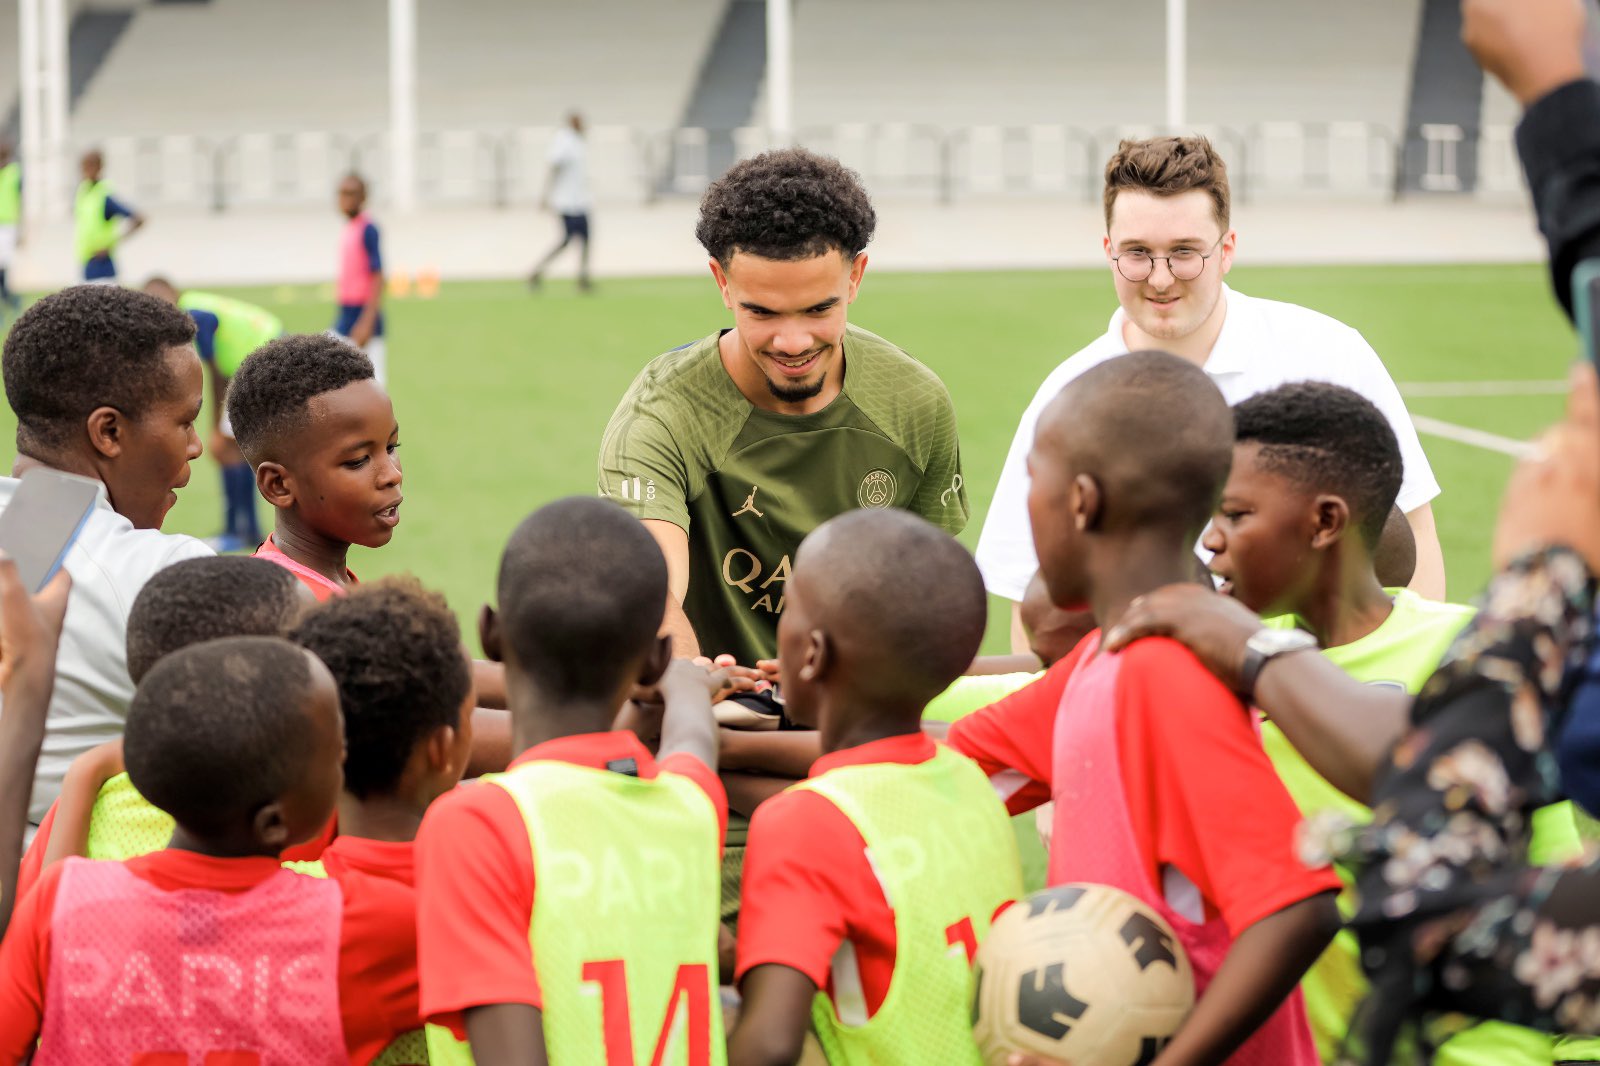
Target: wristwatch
{"x":1263,"y":646}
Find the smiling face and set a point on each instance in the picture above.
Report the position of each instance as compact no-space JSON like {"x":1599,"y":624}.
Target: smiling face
{"x":1261,"y":537}
{"x":345,"y":479}
{"x":787,"y":349}
{"x":156,"y":448}
{"x":1163,"y":307}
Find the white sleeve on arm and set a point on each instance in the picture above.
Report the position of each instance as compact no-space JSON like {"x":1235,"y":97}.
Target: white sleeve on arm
{"x":1417,"y":485}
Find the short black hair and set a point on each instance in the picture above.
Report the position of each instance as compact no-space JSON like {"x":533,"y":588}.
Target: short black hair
{"x":267,"y":398}
{"x":786,"y":204}
{"x":899,"y":595}
{"x":1329,"y":439}
{"x":197,"y":600}
{"x":217,"y":730}
{"x":582,"y":586}
{"x":85,"y":347}
{"x":1156,"y":433}
{"x":395,"y":650}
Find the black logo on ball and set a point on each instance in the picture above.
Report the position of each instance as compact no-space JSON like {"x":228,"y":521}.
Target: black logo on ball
{"x":1044,"y":1004}
{"x":1149,"y":941}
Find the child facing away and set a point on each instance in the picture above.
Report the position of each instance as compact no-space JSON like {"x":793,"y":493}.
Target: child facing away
{"x":568,"y":908}
{"x":210,"y":948}
{"x":1160,"y":784}
{"x":883,"y":612}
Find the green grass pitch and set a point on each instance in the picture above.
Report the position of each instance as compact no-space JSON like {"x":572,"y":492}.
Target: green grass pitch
{"x":502,"y":395}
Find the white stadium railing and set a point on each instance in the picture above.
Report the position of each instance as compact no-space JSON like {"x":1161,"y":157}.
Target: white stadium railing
{"x":508,"y":168}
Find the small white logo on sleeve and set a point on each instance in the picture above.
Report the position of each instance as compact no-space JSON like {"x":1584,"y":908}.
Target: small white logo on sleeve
{"x":877,"y":489}
{"x":639,"y":489}
{"x":951,"y":493}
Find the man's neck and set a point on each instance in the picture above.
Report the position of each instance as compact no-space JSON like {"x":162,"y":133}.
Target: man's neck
{"x":752,"y":384}
{"x":1346,"y":603}
{"x":1195,"y":347}
{"x":388,"y":818}
{"x":312,"y":550}
{"x":1126,"y":568}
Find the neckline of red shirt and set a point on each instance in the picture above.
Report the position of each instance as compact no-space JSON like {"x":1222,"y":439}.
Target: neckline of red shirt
{"x":394,"y":859}
{"x":594,"y":750}
{"x":272,"y":553}
{"x":173,"y":868}
{"x":908,"y":749}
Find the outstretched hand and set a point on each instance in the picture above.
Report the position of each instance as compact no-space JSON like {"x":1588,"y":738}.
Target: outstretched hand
{"x":1553,"y":497}
{"x":1213,"y":626}
{"x":1531,"y":46}
{"x":30,"y":627}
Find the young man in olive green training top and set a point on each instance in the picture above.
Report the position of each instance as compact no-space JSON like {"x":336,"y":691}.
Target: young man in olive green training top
{"x":1315,"y":470}
{"x":733,"y":448}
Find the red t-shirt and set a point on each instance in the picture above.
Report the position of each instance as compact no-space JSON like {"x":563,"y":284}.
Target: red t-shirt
{"x":394,"y":860}
{"x":322,"y":588}
{"x":475,"y":891}
{"x":809,"y":888}
{"x":377,"y":949}
{"x":1202,"y":795}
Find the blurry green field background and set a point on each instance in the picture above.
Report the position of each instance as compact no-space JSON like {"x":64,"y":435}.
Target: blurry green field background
{"x":502,"y":395}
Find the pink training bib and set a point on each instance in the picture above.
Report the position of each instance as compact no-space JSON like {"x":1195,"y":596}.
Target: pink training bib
{"x":356,"y":281}
{"x":1094,"y":842}
{"x":194,"y":976}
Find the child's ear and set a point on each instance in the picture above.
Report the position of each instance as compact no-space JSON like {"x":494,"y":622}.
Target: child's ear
{"x":441,"y":752}
{"x":656,"y":663}
{"x":270,"y":828}
{"x":275,"y":485}
{"x":818,"y":659}
{"x":1088,"y":504}
{"x":489,"y":634}
{"x":105,"y":428}
{"x":1331,"y":518}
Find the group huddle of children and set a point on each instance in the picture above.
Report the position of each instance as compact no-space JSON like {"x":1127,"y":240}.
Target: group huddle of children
{"x":302,"y":877}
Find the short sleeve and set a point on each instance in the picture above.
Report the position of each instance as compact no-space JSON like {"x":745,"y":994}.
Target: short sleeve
{"x":1012,"y":740}
{"x":710,"y":783}
{"x":1417,"y":485}
{"x":1201,"y":784}
{"x":117,"y":209}
{"x":942,"y":493}
{"x":205,"y":334}
{"x":475,"y":895}
{"x":369,"y":244}
{"x":643,"y":469}
{"x":804,"y":866}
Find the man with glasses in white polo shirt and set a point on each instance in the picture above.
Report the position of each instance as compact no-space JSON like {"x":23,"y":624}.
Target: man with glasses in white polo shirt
{"x":1169,"y":243}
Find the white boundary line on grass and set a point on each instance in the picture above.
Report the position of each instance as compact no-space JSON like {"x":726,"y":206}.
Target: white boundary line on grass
{"x":1477,"y":438}
{"x":1449,"y":389}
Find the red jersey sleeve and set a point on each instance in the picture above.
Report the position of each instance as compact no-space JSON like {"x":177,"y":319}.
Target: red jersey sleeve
{"x":377,"y":963}
{"x":685,"y":765}
{"x":1202,"y":793}
{"x":24,"y":959}
{"x":33,"y":859}
{"x":474,"y":905}
{"x":805,"y":867}
{"x":1012,"y":738}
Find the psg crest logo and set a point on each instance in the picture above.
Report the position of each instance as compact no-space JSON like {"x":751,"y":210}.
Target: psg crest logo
{"x":877,"y":489}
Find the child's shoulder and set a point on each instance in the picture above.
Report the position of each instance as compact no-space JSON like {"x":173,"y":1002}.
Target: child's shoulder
{"x":1166,"y":658}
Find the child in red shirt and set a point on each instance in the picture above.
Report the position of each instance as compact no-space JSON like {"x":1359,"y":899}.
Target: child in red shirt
{"x":210,"y":948}
{"x":1160,"y":784}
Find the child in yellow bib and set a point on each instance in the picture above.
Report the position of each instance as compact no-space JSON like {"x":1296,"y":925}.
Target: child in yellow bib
{"x":868,"y":886}
{"x":568,"y":908}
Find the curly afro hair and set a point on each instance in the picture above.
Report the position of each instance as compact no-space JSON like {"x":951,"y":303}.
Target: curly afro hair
{"x":1329,"y":439}
{"x":786,"y":204}
{"x":395,"y":650}
{"x":268,"y":397}
{"x":206,"y":599}
{"x":86,"y":347}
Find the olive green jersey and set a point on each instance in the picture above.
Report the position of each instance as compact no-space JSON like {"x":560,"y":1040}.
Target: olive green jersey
{"x":685,"y":446}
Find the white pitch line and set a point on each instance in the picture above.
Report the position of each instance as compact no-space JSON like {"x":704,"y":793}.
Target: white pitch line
{"x":1477,"y":438}
{"x":1446,"y":389}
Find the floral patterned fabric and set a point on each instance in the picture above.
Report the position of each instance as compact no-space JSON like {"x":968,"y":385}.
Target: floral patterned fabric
{"x":1451,"y":916}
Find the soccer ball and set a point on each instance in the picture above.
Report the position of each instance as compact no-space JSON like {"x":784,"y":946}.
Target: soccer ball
{"x":1084,"y":974}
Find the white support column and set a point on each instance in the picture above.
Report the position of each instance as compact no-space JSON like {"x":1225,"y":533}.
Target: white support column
{"x":31,"y":109}
{"x":403,"y":103}
{"x":1177,"y":65}
{"x":780,"y":72}
{"x":57,"y":100}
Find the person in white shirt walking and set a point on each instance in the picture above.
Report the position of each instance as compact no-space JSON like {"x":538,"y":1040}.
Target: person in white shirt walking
{"x":567,"y":194}
{"x":1169,"y":243}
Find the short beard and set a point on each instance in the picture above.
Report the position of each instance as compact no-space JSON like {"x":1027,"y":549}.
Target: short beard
{"x":797,"y":393}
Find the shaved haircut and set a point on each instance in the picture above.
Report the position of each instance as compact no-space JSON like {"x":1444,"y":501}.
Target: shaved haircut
{"x":1156,"y":434}
{"x":897,"y":596}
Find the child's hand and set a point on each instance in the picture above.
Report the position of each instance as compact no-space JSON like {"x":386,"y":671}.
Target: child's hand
{"x":735,"y":678}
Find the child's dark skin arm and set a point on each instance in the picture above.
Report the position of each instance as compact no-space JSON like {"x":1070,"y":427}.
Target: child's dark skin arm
{"x":774,"y":1018}
{"x":489,"y":684}
{"x":1264,"y":965}
{"x":746,"y":792}
{"x":75,"y":809}
{"x":507,"y":1034}
{"x":491,"y":742}
{"x":688,"y":724}
{"x":786,"y":754}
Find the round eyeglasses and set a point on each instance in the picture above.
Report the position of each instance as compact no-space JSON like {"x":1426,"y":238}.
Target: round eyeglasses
{"x":1186,"y":264}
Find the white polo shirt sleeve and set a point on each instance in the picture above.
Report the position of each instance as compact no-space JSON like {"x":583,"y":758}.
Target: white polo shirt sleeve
{"x":1005,"y":547}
